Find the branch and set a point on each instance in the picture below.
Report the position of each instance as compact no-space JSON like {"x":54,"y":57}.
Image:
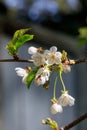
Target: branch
{"x":73,"y":62}
{"x":69,"y":62}
{"x":75,"y":122}
{"x":80,"y":61}
{"x":16,"y":60}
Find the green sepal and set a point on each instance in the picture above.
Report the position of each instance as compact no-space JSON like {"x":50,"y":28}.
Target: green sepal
{"x":64,"y":55}
{"x":64,"y":91}
{"x":30,"y":77}
{"x":46,"y":85}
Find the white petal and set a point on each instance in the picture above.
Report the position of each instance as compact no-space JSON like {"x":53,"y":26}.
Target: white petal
{"x":55,"y":108}
{"x":71,"y":100}
{"x":42,"y":76}
{"x":46,"y":52}
{"x":53,"y":49}
{"x":39,"y":81}
{"x":66,"y":99}
{"x":32,"y":50}
{"x":57,"y":61}
{"x":38,"y":59}
{"x":66,"y":68}
{"x":59,"y":54}
{"x":20,"y":72}
{"x":24,"y":78}
{"x":40,"y":71}
{"x":51,"y":58}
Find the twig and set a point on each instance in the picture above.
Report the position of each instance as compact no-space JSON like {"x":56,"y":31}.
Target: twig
{"x":80,"y":61}
{"x":75,"y":122}
{"x":69,"y":62}
{"x":16,"y":60}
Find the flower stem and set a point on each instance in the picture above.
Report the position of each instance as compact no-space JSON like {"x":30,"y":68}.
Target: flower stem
{"x":63,"y":85}
{"x":55,"y":83}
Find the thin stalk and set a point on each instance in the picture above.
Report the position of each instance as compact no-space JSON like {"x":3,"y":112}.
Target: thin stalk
{"x":55,"y":84}
{"x":63,"y":85}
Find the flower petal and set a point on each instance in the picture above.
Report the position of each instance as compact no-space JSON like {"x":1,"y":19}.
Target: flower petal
{"x":32,"y":50}
{"x":66,"y":99}
{"x":55,"y":108}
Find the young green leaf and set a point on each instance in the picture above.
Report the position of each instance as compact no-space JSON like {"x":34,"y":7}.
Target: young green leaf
{"x":19,"y":38}
{"x":30,"y":77}
{"x":11,"y":49}
{"x":22,"y":40}
{"x":82,"y":36}
{"x":83,"y":32}
{"x":18,"y":34}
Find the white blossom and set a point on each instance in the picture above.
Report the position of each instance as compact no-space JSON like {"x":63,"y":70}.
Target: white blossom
{"x":52,"y":56}
{"x":42,"y":76}
{"x":66,"y":68}
{"x":22,"y":73}
{"x":32,"y":50}
{"x":55,"y":108}
{"x":65,"y":99}
{"x":38,"y":59}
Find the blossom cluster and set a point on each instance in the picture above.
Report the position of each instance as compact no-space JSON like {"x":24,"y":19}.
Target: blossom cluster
{"x":64,"y":100}
{"x":46,"y":62}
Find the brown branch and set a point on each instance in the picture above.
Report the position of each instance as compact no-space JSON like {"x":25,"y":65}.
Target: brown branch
{"x":73,"y":62}
{"x":16,"y":60}
{"x":68,"y":62}
{"x":75,"y":122}
{"x":80,"y":61}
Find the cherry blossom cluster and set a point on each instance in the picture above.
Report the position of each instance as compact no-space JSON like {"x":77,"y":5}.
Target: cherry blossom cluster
{"x":46,"y":62}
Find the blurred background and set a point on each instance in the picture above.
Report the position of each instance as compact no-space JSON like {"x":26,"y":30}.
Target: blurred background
{"x":53,"y":22}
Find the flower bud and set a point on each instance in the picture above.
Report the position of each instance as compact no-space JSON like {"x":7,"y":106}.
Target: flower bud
{"x":32,"y":50}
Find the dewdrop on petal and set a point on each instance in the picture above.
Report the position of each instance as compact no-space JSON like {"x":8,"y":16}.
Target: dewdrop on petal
{"x":55,"y":108}
{"x":65,"y":99}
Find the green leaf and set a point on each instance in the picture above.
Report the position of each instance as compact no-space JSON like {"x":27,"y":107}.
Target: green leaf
{"x":18,"y":34}
{"x":30,"y":77}
{"x":82,"y":36}
{"x":11,"y":49}
{"x":19,"y":38}
{"x":83,"y":32}
{"x":82,"y":41}
{"x":22,"y":40}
